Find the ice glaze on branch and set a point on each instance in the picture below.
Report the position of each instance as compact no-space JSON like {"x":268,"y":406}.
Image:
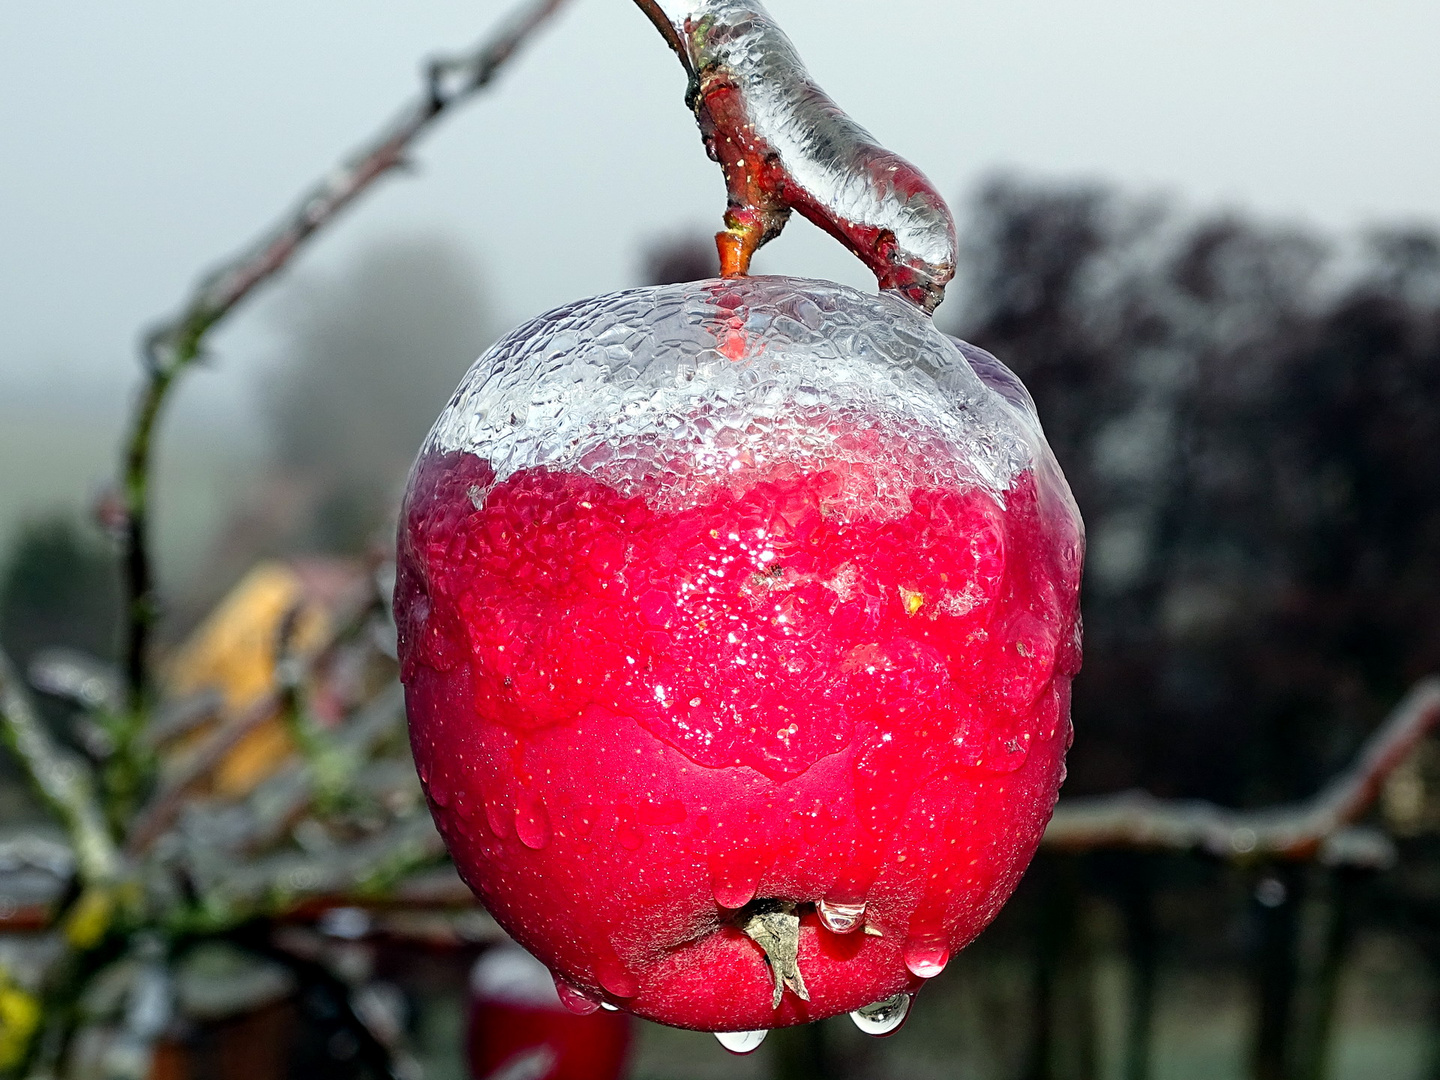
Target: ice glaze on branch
{"x":783,"y":145}
{"x":1322,"y":826}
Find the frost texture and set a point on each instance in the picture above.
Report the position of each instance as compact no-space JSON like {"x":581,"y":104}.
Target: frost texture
{"x":655,"y":390}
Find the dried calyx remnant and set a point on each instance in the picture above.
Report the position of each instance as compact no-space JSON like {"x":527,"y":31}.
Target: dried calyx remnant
{"x":784,"y":145}
{"x":774,"y":925}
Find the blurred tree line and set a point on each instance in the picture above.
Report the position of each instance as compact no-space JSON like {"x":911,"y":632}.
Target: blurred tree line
{"x":1250,"y":421}
{"x":1249,"y":417}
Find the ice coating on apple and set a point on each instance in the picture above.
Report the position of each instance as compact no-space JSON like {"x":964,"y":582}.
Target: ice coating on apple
{"x":739,"y":602}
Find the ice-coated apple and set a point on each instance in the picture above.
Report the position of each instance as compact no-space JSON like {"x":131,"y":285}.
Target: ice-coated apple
{"x":737,"y":624}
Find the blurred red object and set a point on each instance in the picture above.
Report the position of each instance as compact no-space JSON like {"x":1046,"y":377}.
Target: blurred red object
{"x":520,"y":1030}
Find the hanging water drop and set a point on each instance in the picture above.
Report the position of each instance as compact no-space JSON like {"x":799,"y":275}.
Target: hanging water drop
{"x":576,"y":1001}
{"x":741,"y":1042}
{"x":926,"y":959}
{"x":532,"y":822}
{"x":608,"y":1007}
{"x":882,"y":1017}
{"x":734,"y":878}
{"x":840,"y":918}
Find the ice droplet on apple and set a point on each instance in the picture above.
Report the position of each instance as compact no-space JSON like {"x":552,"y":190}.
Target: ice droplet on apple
{"x":840,"y":918}
{"x":882,"y":1017}
{"x":926,"y":958}
{"x":577,"y":1002}
{"x":741,"y":1042}
{"x":532,"y":823}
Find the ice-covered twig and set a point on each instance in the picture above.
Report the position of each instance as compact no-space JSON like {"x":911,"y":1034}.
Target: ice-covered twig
{"x":76,"y":677}
{"x":64,"y":784}
{"x":171,"y":347}
{"x":1322,"y":826}
{"x":282,"y":800}
{"x":783,"y":145}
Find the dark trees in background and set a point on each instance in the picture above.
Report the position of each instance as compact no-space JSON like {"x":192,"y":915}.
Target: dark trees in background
{"x":59,"y":588}
{"x":1251,"y":425}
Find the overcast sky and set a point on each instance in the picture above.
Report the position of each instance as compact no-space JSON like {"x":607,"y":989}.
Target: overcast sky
{"x":140,"y":140}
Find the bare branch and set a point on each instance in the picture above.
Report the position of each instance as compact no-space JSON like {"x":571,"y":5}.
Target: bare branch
{"x":169,"y":800}
{"x":1322,"y":826}
{"x":171,"y":347}
{"x":64,"y":784}
{"x":672,"y":37}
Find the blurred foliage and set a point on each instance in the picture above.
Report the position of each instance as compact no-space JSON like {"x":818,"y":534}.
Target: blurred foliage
{"x":59,"y":587}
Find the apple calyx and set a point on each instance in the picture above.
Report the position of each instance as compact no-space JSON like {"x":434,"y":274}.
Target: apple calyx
{"x":774,"y":925}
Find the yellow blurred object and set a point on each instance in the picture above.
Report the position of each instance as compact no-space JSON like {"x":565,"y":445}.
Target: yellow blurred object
{"x":88,"y":920}
{"x":234,"y":652}
{"x":19,"y":1018}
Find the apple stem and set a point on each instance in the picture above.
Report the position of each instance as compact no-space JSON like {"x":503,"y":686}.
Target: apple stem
{"x":783,"y":145}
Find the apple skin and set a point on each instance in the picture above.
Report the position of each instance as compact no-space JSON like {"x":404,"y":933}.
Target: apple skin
{"x":640,"y":705}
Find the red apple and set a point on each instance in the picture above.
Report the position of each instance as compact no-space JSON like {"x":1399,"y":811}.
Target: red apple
{"x":737,"y":623}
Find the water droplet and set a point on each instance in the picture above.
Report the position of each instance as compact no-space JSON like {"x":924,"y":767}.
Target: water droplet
{"x":734,"y":894}
{"x":926,"y":959}
{"x":741,"y":1042}
{"x":497,"y":818}
{"x":840,"y":918}
{"x":614,"y":978}
{"x":735,"y":873}
{"x":882,"y":1017}
{"x":608,"y":1007}
{"x":532,"y":823}
{"x":576,"y":1001}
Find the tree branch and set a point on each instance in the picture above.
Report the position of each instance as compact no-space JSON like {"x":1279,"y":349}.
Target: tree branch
{"x":65,"y":785}
{"x":1323,"y":825}
{"x":174,"y":345}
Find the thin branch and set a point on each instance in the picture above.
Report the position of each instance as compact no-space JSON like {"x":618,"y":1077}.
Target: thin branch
{"x":162,"y":810}
{"x":751,"y":95}
{"x":661,"y":22}
{"x":173,"y":346}
{"x":1322,"y":826}
{"x":65,"y":785}
{"x":150,"y":821}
